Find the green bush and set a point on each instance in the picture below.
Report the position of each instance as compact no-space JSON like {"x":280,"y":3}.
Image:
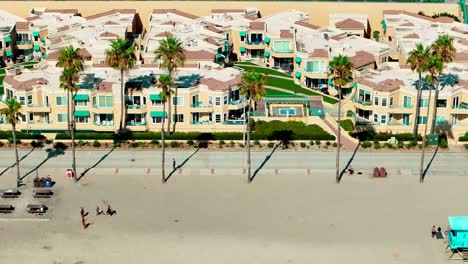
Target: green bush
{"x":334,"y":144}
{"x":10,"y":140}
{"x":388,"y":145}
{"x":371,"y":135}
{"x":2,"y":144}
{"x":327,"y":143}
{"x":142,"y":144}
{"x":60,"y":146}
{"x":155,"y":142}
{"x":276,"y":130}
{"x":303,"y":145}
{"x":377,"y":145}
{"x":96,"y":144}
{"x":466,"y":146}
{"x":117,"y":144}
{"x":257,"y":142}
{"x":443,"y":143}
{"x":400,"y":145}
{"x":19,"y":135}
{"x":190,"y":142}
{"x":221,"y":142}
{"x":318,"y":142}
{"x":81,"y":143}
{"x":241,"y":145}
{"x":174,"y":144}
{"x":463,"y":138}
{"x":311,"y":142}
{"x":133,"y":144}
{"x":366,"y":144}
{"x":232,"y":144}
{"x":347,"y":125}
{"x":87,"y":136}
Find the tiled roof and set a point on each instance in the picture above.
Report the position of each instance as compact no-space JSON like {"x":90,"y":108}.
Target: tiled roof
{"x":222,"y":11}
{"x":461,"y":56}
{"x":56,"y":40}
{"x":84,"y":53}
{"x":32,"y":18}
{"x":257,"y":25}
{"x":285,"y":33}
{"x":459,"y":30}
{"x":107,"y":34}
{"x":463,"y":83}
{"x":212,"y":41}
{"x":464,"y":42}
{"x":190,"y":65}
{"x":214,"y":29}
{"x":362,"y":58}
{"x":307,"y":25}
{"x":26,"y":85}
{"x":252,"y":18}
{"x":108,"y":23}
{"x":214,"y":84}
{"x":338,"y":37}
{"x":164,"y":34}
{"x":412,"y":36}
{"x":110,"y":12}
{"x":99,"y":65}
{"x":174,"y":11}
{"x":63,"y":11}
{"x":105,"y":87}
{"x":444,"y":19}
{"x":149,"y":65}
{"x":407,"y":24}
{"x":319,"y":53}
{"x":388,"y":85}
{"x":198,"y":55}
{"x":60,"y":29}
{"x":397,"y":12}
{"x":22,"y":25}
{"x":349,"y":23}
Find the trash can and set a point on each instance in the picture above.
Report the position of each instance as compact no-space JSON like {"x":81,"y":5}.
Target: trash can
{"x":432,"y":140}
{"x":47,"y":183}
{"x":36,"y":182}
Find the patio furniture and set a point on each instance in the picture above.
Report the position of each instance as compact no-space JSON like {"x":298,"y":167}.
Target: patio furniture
{"x":6,"y":208}
{"x":383,"y":172}
{"x":43,"y":193}
{"x":13,"y":193}
{"x":36,"y":208}
{"x":376,"y":172}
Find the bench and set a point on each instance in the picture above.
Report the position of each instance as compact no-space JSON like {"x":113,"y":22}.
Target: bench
{"x":36,"y":208}
{"x":11,"y":194}
{"x":43,"y":193}
{"x":6,"y":208}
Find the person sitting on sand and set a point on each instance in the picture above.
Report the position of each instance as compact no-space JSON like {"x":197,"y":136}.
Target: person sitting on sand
{"x":350,"y":169}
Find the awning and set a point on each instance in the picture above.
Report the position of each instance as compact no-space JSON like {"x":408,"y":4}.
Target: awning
{"x":9,"y":53}
{"x":44,"y":55}
{"x":384,"y":25}
{"x":7,"y":39}
{"x":242,"y":49}
{"x":298,"y":74}
{"x":35,"y":34}
{"x":298,"y":59}
{"x":219,"y":55}
{"x":155,"y":97}
{"x":81,"y":113}
{"x":158,"y":114}
{"x":243,"y":34}
{"x":330,"y":82}
{"x":266,"y":54}
{"x":81,"y":97}
{"x":355,"y":85}
{"x":267,"y":40}
{"x":37,"y":48}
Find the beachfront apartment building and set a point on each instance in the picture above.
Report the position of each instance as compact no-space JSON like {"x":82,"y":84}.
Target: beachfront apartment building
{"x":7,"y":37}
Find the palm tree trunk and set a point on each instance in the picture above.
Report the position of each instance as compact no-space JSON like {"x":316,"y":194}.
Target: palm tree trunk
{"x":68,"y":110}
{"x":418,"y":99}
{"x":421,"y":164}
{"x":339,"y":138}
{"x":18,"y":177}
{"x":169,"y":114}
{"x":247,"y":144}
{"x":122,"y":99}
{"x":163,"y":158}
{"x":73,"y":142}
{"x":175,"y":111}
{"x":434,"y":111}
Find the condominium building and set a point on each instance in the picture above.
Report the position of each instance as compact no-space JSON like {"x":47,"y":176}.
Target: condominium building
{"x":7,"y":37}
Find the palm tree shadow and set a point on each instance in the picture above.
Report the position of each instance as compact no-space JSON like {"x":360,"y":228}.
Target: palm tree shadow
{"x":429,"y":164}
{"x":267,"y":158}
{"x":349,"y":162}
{"x":182,"y":164}
{"x":95,"y":164}
{"x":14,"y":164}
{"x":50,"y":154}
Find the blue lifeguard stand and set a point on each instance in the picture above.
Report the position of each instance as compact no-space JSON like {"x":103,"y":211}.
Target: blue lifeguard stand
{"x":458,"y":235}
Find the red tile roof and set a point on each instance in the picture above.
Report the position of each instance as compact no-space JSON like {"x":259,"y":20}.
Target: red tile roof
{"x":111,"y":23}
{"x":464,"y":42}
{"x":407,"y":24}
{"x":32,"y":18}
{"x":257,"y":25}
{"x":319,"y":53}
{"x":107,"y":34}
{"x":349,"y":24}
{"x":214,"y":29}
{"x":397,"y":12}
{"x":461,"y":56}
{"x":190,"y":65}
{"x":388,"y":85}
{"x":285,"y":33}
{"x":110,"y":12}
{"x":149,"y":65}
{"x":252,"y":18}
{"x":56,"y":40}
{"x":63,"y":11}
{"x":60,"y":29}
{"x":362,"y":58}
{"x":175,"y":12}
{"x":212,"y":41}
{"x":411,"y":36}
{"x":22,"y":25}
{"x":214,"y":84}
{"x":198,"y":55}
{"x":164,"y":34}
{"x":307,"y":25}
{"x":222,"y":11}
{"x":25,"y":85}
{"x":82,"y":52}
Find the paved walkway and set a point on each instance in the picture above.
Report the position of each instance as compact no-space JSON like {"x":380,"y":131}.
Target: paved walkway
{"x":347,"y":144}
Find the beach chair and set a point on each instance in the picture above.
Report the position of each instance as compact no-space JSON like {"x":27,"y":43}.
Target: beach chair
{"x":383,"y":172}
{"x":376,"y":172}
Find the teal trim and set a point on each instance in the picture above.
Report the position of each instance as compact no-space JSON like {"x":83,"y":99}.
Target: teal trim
{"x":81,"y":97}
{"x":298,"y":74}
{"x":242,"y":49}
{"x":355,"y":85}
{"x":266,"y":54}
{"x":9,"y":53}
{"x":44,"y":55}
{"x":298,"y":60}
{"x":155,"y":97}
{"x":218,"y":56}
{"x":37,"y":48}
{"x":158,"y":114}
{"x":243,"y":34}
{"x":384,"y":25}
{"x":8,"y":39}
{"x":267,"y":40}
{"x":81,"y":113}
{"x":35,"y":34}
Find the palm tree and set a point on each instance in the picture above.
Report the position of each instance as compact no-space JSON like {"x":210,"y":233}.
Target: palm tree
{"x":121,"y":56}
{"x":11,"y":112}
{"x":417,"y":60}
{"x":443,"y":46}
{"x":252,"y":88}
{"x":341,"y":72}
{"x":171,"y":54}
{"x":165,"y":83}
{"x":434,"y":68}
{"x":70,"y":59}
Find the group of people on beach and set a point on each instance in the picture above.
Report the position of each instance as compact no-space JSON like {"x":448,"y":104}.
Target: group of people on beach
{"x":438,"y":234}
{"x":99,"y":211}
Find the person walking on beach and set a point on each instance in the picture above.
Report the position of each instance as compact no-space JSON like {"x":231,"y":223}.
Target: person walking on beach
{"x":433,"y":232}
{"x":99,"y":211}
{"x":83,"y":222}
{"x":110,"y":211}
{"x":173,"y":164}
{"x":82,"y":212}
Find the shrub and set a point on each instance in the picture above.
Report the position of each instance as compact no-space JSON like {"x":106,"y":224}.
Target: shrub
{"x":400,"y":145}
{"x":241,"y":145}
{"x":142,"y":144}
{"x":257,"y":142}
{"x":303,"y":145}
{"x":377,"y":145}
{"x":463,"y":138}
{"x":60,"y":146}
{"x":166,"y":144}
{"x":327,"y":143}
{"x":232,"y":144}
{"x":334,"y":144}
{"x":10,"y":140}
{"x":190,"y":142}
{"x":221,"y":142}
{"x":388,"y":145}
{"x":311,"y":142}
{"x":174,"y":144}
{"x":220,"y":146}
{"x":19,"y":135}
{"x":84,"y":136}
{"x":366,"y":144}
{"x":96,"y":144}
{"x":443,"y":143}
{"x":272,"y":145}
{"x":347,"y":125}
{"x":2,"y":144}
{"x":37,"y":144}
{"x":81,"y":143}
{"x":317,"y":142}
{"x":117,"y":144}
{"x":466,"y":146}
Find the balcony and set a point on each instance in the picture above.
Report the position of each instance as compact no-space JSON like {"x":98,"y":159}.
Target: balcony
{"x":136,"y":106}
{"x":133,"y":123}
{"x":104,"y":123}
{"x":195,"y":122}
{"x":237,"y":102}
{"x":362,"y":102}
{"x":256,"y":113}
{"x":24,"y":44}
{"x":136,"y":109}
{"x":201,"y":105}
{"x":403,"y":108}
{"x":39,"y":108}
{"x":399,"y":124}
{"x":234,"y":122}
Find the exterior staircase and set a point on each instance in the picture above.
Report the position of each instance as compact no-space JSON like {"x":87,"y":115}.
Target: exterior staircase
{"x":347,"y":143}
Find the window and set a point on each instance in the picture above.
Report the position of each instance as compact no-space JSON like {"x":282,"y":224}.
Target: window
{"x":391,"y":101}
{"x":242,"y":38}
{"x":178,"y":118}
{"x":94,"y":100}
{"x":383,"y":119}
{"x":227,"y":36}
{"x":442,"y":103}
{"x":21,"y":100}
{"x":282,"y":46}
{"x":61,"y":100}
{"x":218,"y":118}
{"x":384,"y":59}
{"x":81,"y":103}
{"x":440,"y":120}
{"x":61,"y":118}
{"x":7,"y":44}
{"x":29,"y":99}
{"x":376,"y":100}
{"x":81,"y":119}
{"x":390,"y":118}
{"x":156,"y":102}
{"x":157,"y":120}
{"x":376,"y":118}
{"x":384,"y":101}
{"x":210,"y":100}
{"x":217,"y":100}
{"x":36,"y":38}
{"x":406,"y":101}
{"x":225,"y":100}
{"x":178,"y":100}
{"x":455,"y":101}
{"x":313,"y":66}
{"x":102,"y":62}
{"x":422,"y":120}
{"x":424,"y":103}
{"x":105,"y":101}
{"x":406,"y":118}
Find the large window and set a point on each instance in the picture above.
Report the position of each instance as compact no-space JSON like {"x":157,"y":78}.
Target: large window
{"x":424,"y":103}
{"x":282,"y":46}
{"x":178,"y":100}
{"x":383,"y":119}
{"x":157,"y":119}
{"x":61,"y":118}
{"x":104,"y":101}
{"x":61,"y":100}
{"x":376,"y":118}
{"x":315,"y":66}
{"x":422,"y":120}
{"x":81,"y":119}
{"x":440,"y":120}
{"x":178,"y":118}
{"x":29,"y":99}
{"x":217,"y":100}
{"x":225,"y":100}
{"x":384,"y":101}
{"x":455,"y":102}
{"x":406,"y":101}
{"x":442,"y":103}
{"x":376,"y":100}
{"x":81,"y":103}
{"x":218,"y":118}
{"x":21,"y":100}
{"x":406,"y":119}
{"x":391,"y":101}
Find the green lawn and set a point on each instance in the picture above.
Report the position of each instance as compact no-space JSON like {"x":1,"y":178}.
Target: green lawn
{"x":347,"y":125}
{"x":28,"y":63}
{"x":2,"y":71}
{"x":1,"y":84}
{"x":245,"y":63}
{"x":290,"y":85}
{"x":263,"y":70}
{"x":272,"y":92}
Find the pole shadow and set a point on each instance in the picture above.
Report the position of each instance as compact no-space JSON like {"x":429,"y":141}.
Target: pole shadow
{"x":349,"y":162}
{"x":95,"y":164}
{"x":429,"y":164}
{"x":14,"y":164}
{"x":50,"y":154}
{"x":267,"y":158}
{"x":181,"y":164}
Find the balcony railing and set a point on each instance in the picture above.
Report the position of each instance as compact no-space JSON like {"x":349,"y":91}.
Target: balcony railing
{"x":134,"y":106}
{"x":102,"y":106}
{"x":254,"y":42}
{"x":195,"y":122}
{"x":359,"y":101}
{"x":38,"y":105}
{"x":105,"y":123}
{"x":236,"y":102}
{"x":23,"y":42}
{"x":199,"y":104}
{"x":399,"y":124}
{"x":132,"y":123}
{"x":233,"y":122}
{"x":404,"y":106}
{"x":256,"y":113}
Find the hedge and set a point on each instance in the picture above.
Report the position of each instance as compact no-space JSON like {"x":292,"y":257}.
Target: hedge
{"x":371,"y":135}
{"x":19,"y":135}
{"x":81,"y":136}
{"x":463,"y":138}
